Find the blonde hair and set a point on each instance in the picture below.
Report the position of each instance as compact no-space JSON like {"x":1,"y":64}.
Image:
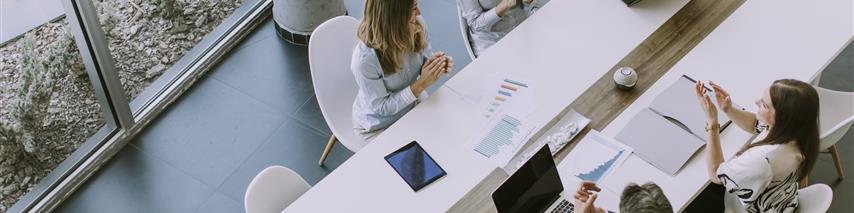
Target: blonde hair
{"x":385,"y":27}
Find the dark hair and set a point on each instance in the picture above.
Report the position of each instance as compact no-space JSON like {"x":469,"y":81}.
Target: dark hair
{"x":647,"y":198}
{"x":796,"y":110}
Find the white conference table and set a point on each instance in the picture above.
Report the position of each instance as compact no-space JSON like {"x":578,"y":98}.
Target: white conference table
{"x":760,"y":42}
{"x":563,"y":49}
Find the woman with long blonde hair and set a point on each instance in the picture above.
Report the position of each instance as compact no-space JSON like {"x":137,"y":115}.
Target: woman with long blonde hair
{"x":393,"y":64}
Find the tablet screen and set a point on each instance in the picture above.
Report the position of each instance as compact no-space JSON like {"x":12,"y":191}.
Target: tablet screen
{"x":415,"y":166}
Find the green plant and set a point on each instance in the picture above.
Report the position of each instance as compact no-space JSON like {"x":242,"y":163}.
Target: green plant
{"x":10,"y":147}
{"x":37,"y":79}
{"x":62,"y":56}
{"x":108,"y":14}
{"x":168,"y":8}
{"x":36,"y":84}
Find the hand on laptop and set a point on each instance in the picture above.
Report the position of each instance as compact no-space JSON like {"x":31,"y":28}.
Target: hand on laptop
{"x":584,"y":198}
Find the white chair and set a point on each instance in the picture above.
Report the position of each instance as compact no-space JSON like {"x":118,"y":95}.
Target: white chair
{"x":329,"y":52}
{"x":464,"y":28}
{"x":273,"y":190}
{"x":815,"y":198}
{"x":837,"y":115}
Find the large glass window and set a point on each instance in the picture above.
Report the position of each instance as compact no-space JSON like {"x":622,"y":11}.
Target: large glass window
{"x":148,"y":37}
{"x":47,"y":106}
{"x":69,"y":79}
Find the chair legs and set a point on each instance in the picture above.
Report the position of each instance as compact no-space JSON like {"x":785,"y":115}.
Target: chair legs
{"x":327,"y":150}
{"x":837,"y":161}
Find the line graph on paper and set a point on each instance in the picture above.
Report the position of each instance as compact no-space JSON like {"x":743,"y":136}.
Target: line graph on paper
{"x":594,"y":158}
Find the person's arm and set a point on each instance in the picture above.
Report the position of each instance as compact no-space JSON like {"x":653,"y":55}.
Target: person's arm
{"x":369,"y":79}
{"x":479,"y":19}
{"x":743,"y":119}
{"x":713,"y":145}
{"x":716,"y":156}
{"x":531,"y":6}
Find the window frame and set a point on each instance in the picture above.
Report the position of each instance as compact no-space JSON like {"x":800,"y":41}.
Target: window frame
{"x":124,"y":118}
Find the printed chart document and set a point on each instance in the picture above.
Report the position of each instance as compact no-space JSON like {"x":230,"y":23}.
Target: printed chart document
{"x":501,"y":93}
{"x":505,"y":103}
{"x":502,"y":138}
{"x":593,"y":159}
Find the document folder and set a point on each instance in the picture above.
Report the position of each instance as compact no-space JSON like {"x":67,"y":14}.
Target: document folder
{"x":671,"y":129}
{"x":659,"y":142}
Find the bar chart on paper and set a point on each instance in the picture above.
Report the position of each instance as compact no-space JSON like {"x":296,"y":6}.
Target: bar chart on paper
{"x":502,"y":139}
{"x":506,"y":91}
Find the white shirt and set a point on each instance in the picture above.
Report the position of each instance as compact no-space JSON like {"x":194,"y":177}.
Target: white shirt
{"x":762,"y":179}
{"x":484,"y":24}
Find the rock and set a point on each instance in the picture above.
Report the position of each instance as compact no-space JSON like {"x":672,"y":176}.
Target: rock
{"x":179,"y":28}
{"x":155,"y":70}
{"x":200,"y":22}
{"x":26,"y":181}
{"x":131,"y":31}
{"x":9,"y":189}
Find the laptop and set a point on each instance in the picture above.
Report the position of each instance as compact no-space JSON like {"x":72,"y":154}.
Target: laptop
{"x":535,"y":187}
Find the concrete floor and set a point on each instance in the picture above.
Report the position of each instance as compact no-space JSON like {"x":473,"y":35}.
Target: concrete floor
{"x":256,"y":110}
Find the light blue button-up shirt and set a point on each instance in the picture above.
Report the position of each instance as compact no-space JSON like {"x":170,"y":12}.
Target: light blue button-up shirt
{"x":484,"y":24}
{"x":384,"y":98}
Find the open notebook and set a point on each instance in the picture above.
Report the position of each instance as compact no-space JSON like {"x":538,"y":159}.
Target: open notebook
{"x":671,"y":129}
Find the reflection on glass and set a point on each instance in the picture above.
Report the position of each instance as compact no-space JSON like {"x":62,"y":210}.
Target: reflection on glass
{"x":47,"y":106}
{"x":147,"y":37}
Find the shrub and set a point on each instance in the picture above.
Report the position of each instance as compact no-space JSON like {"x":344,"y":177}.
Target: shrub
{"x":108,"y":14}
{"x":36,"y":83}
{"x":168,"y":8}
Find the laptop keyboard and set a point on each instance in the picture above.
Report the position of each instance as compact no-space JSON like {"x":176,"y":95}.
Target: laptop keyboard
{"x":564,"y":207}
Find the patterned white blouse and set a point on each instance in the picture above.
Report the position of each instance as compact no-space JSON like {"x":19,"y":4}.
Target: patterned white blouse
{"x":762,"y":179}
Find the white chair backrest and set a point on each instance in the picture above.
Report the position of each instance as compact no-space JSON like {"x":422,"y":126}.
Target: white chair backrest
{"x":464,"y":29}
{"x":273,"y":190}
{"x":329,"y":51}
{"x":836,"y":115}
{"x":815,"y":198}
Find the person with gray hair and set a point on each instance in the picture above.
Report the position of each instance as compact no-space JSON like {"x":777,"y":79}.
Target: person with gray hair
{"x":646,"y":198}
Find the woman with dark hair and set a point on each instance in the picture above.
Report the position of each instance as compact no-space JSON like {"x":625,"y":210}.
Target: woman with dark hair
{"x":393,"y":64}
{"x":764,"y":176}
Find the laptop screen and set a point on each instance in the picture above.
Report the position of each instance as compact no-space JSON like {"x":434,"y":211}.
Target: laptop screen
{"x":532,"y":188}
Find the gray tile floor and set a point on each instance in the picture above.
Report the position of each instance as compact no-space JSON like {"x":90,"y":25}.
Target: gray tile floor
{"x":839,"y":75}
{"x":256,"y":110}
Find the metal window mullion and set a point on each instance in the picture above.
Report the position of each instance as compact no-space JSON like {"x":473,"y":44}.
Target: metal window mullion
{"x":89,"y":37}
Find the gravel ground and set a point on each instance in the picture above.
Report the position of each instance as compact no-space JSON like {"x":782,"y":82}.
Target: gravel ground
{"x":145,"y":40}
